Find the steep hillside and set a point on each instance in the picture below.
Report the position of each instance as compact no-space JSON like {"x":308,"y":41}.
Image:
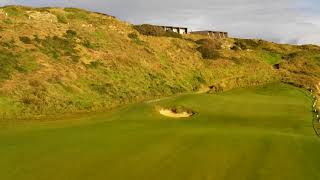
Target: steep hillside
{"x":56,"y":60}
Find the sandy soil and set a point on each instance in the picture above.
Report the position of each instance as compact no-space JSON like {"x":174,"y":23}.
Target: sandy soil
{"x":169,"y":113}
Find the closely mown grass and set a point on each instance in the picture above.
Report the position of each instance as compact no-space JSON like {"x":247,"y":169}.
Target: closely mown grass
{"x":259,"y":133}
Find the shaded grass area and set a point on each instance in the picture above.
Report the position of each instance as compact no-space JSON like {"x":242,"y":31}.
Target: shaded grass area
{"x":257,"y":133}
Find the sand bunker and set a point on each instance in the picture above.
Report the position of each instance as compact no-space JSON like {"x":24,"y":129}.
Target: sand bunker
{"x":174,"y":114}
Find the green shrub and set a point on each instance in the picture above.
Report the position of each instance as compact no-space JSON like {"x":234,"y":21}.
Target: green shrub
{"x":94,"y":64}
{"x":59,"y":47}
{"x":25,"y":40}
{"x":8,"y":63}
{"x":11,"y":44}
{"x":149,"y":30}
{"x":12,"y":11}
{"x":74,"y":13}
{"x":244,"y":44}
{"x":86,"y":43}
{"x":11,"y":61}
{"x":8,"y":21}
{"x":210,"y":43}
{"x":209,"y":48}
{"x":209,"y":53}
{"x":135,"y":38}
{"x":102,"y":88}
{"x":172,"y":34}
{"x":36,"y":38}
{"x":27,"y":63}
{"x":70,"y":34}
{"x":62,"y":19}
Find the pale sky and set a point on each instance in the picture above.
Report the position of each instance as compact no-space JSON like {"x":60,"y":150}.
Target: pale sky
{"x":284,"y":21}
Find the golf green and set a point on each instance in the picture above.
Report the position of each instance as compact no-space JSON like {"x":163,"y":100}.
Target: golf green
{"x":262,"y":133}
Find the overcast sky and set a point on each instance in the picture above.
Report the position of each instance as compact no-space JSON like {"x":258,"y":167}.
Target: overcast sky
{"x":285,"y":21}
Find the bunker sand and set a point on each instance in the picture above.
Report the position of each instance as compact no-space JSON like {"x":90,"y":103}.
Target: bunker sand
{"x":170,"y":113}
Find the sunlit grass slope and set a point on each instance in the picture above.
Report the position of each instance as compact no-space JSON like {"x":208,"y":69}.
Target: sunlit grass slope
{"x":67,"y":60}
{"x":259,"y":133}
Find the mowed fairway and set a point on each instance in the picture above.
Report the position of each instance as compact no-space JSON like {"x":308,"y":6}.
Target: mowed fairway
{"x":260,"y":133}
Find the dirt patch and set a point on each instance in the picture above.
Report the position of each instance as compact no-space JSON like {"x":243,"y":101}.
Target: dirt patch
{"x":178,"y":112}
{"x":42,"y":16}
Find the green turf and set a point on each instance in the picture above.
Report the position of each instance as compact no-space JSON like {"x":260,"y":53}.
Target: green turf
{"x":250,"y":134}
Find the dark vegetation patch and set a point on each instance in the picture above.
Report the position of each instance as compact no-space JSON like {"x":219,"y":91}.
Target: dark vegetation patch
{"x":102,"y":89}
{"x":59,"y":47}
{"x":11,"y":61}
{"x":8,"y":21}
{"x":94,"y":64}
{"x":25,"y":40}
{"x":209,"y":48}
{"x":8,"y":63}
{"x":244,"y":44}
{"x":62,"y":19}
{"x":135,"y":38}
{"x":151,"y":30}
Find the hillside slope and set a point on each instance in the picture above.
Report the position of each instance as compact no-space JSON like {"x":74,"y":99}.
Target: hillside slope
{"x":56,"y":60}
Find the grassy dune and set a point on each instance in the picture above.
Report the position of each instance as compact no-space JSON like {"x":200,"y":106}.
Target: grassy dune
{"x":67,"y":60}
{"x":257,"y":133}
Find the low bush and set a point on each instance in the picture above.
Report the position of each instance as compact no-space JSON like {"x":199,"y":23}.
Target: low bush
{"x":8,"y":63}
{"x":59,"y":47}
{"x":74,"y":13}
{"x":25,"y":40}
{"x":244,"y":44}
{"x":151,"y":30}
{"x":62,"y":19}
{"x":172,"y":34}
{"x":13,"y":11}
{"x":209,"y":48}
{"x":11,"y":44}
{"x":94,"y":64}
{"x":70,"y":34}
{"x":86,"y":43}
{"x":212,"y":43}
{"x":135,"y":38}
{"x":8,"y":21}
{"x":208,"y":53}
